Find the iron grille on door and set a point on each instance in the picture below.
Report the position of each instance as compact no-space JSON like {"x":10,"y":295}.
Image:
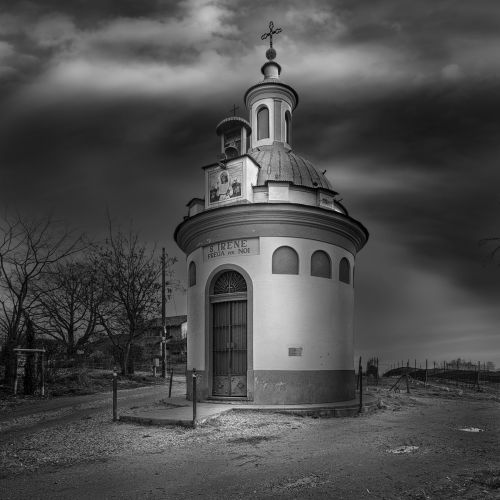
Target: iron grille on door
{"x":229,"y":328}
{"x":230,"y":282}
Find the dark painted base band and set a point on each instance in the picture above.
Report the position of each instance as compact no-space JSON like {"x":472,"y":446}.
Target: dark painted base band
{"x":289,"y":387}
{"x":303,"y":387}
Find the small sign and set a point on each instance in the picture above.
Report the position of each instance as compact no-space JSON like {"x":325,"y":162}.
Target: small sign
{"x":295,"y":351}
{"x":231,"y":248}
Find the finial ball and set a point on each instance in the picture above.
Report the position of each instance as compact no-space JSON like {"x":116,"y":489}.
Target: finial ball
{"x":271,"y":54}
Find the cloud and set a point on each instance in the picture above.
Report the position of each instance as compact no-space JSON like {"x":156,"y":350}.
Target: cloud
{"x":115,"y":103}
{"x":6,"y":50}
{"x":53,"y":31}
{"x":452,"y":72}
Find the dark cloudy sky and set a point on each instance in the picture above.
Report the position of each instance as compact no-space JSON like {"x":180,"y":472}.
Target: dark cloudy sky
{"x":114,"y":103}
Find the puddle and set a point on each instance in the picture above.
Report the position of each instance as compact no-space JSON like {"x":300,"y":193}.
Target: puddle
{"x":403,"y":449}
{"x":471,"y":429}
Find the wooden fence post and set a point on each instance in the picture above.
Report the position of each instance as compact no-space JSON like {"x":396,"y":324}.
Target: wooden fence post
{"x":360,"y":386}
{"x":407,"y":379}
{"x":115,"y":396}
{"x":170,"y":383}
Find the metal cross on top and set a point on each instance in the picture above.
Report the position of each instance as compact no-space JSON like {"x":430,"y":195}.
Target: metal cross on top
{"x":272,"y":32}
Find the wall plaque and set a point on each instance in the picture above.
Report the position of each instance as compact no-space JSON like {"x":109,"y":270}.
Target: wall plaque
{"x":231,"y":248}
{"x":295,"y":351}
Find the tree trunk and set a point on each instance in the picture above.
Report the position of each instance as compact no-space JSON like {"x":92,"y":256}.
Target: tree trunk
{"x":127,"y":360}
{"x":9,"y":357}
{"x":30,"y":365}
{"x":70,"y":351}
{"x":124,"y":359}
{"x":130,"y":365}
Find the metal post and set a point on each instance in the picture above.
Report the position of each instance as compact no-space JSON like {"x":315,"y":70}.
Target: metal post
{"x":170,"y":383}
{"x":194,"y":397}
{"x":478,"y":374}
{"x":360,"y":386}
{"x":425,"y":383}
{"x":115,"y":396}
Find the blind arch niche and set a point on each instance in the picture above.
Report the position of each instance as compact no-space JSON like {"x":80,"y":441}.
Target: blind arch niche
{"x":285,"y":261}
{"x":344,"y":271}
{"x":321,"y":264}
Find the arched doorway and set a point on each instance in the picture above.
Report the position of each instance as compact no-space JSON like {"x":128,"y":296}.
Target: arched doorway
{"x":229,"y":334}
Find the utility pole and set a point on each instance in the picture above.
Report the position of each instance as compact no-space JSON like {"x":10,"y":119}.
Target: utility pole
{"x":163,"y":321}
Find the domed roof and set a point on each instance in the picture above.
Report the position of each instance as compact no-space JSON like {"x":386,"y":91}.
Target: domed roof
{"x":278,"y":163}
{"x":231,"y":122}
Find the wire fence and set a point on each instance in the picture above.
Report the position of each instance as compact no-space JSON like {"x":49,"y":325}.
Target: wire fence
{"x":177,"y":365}
{"x":465,"y":375}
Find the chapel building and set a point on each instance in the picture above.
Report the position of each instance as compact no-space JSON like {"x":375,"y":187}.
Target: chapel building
{"x":270,"y":260}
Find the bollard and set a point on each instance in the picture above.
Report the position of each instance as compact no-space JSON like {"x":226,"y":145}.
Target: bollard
{"x":194,"y":397}
{"x":115,"y":396}
{"x":360,"y":386}
{"x":170,"y":383}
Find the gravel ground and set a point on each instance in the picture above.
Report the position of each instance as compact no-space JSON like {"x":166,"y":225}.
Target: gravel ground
{"x":96,"y":438}
{"x":433,"y":443}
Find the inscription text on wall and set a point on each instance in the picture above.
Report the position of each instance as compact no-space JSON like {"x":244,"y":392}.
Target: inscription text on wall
{"x":231,"y":248}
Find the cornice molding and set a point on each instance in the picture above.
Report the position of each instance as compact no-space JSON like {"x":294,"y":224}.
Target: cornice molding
{"x":274,"y":89}
{"x":271,"y":220}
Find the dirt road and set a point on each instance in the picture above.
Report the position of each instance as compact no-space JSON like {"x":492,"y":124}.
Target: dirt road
{"x":35,"y":415}
{"x":429,"y":444}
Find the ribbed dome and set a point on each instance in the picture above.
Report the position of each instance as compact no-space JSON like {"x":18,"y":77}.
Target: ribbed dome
{"x":278,"y":163}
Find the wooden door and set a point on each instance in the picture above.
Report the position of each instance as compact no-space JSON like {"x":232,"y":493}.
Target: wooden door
{"x":230,"y":348}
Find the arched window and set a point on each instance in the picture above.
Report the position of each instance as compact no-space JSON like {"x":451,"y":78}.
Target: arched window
{"x":344,"y":271}
{"x":285,"y":261}
{"x":288,"y":127}
{"x":192,"y":274}
{"x":321,"y":265}
{"x":262,"y":123}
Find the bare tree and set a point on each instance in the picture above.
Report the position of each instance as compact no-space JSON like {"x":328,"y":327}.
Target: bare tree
{"x":129,"y":275}
{"x":69,"y":296}
{"x":27,"y":248}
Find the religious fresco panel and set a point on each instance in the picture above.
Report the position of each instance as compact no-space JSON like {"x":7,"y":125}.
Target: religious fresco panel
{"x":225,"y":184}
